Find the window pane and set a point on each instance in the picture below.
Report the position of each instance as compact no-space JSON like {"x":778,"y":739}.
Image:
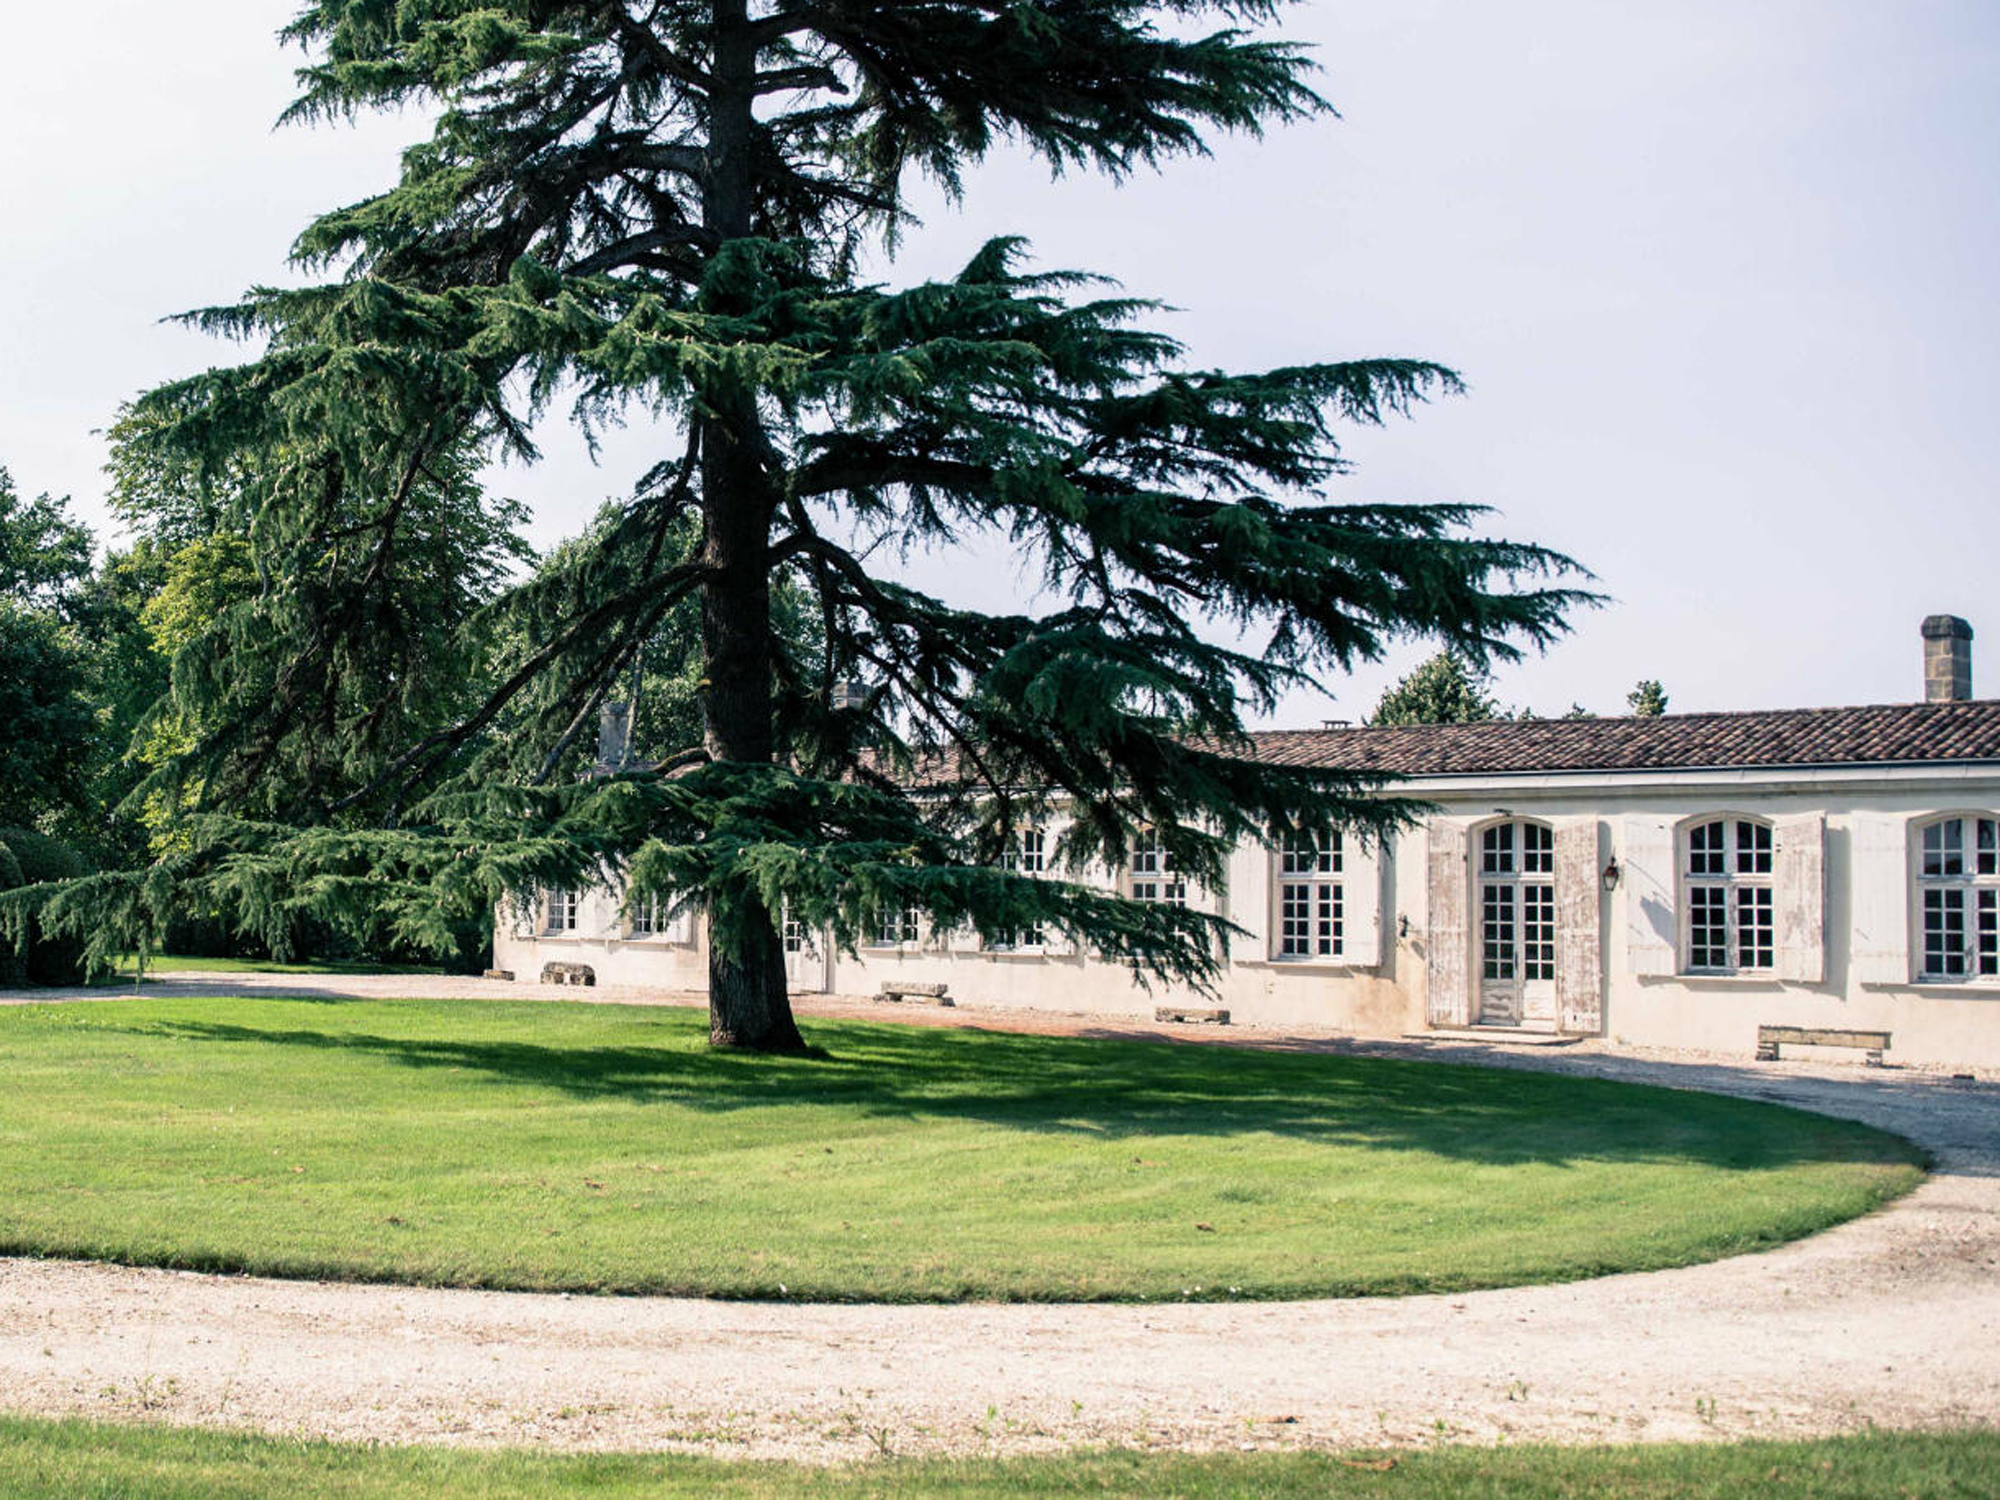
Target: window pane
{"x":1497,"y":931}
{"x":1989,"y":932}
{"x":1705,"y":849}
{"x":1989,"y":847}
{"x":1944,"y":848}
{"x":1708,"y":938}
{"x":1538,"y":849}
{"x":1753,"y":927}
{"x":1538,"y":931}
{"x":1497,"y":849}
{"x":1944,"y":933}
{"x":1753,"y":849}
{"x":1309,"y":919}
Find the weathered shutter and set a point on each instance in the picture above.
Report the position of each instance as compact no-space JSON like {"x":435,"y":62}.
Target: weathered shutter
{"x":1801,"y":896}
{"x":1249,"y":900}
{"x":1448,"y":988}
{"x":1579,"y":927}
{"x":1880,"y":879}
{"x":521,"y":916}
{"x":1360,"y":901}
{"x":1647,"y":877}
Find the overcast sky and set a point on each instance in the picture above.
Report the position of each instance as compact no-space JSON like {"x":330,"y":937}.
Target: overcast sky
{"x":1721,"y":278}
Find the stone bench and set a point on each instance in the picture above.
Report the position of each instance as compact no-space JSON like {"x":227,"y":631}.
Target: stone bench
{"x":1215,"y":1015}
{"x":895,"y":991}
{"x":558,"y":973}
{"x":1770,"y":1038}
{"x":498,"y":974}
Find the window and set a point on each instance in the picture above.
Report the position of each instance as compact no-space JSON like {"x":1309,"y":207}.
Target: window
{"x":649,"y":916}
{"x":1309,"y":895}
{"x":796,"y":939}
{"x":1958,"y":898}
{"x":1726,"y":875}
{"x":1153,"y":877}
{"x":558,"y":912}
{"x":895,"y":926}
{"x":1028,"y":856}
{"x":1517,"y":902}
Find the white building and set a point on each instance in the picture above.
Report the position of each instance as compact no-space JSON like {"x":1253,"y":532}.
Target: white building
{"x":1675,"y":881}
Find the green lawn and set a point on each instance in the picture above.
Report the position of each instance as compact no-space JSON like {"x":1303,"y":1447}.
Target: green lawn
{"x":603,"y":1147}
{"x":82,"y":1461}
{"x":174,"y":963}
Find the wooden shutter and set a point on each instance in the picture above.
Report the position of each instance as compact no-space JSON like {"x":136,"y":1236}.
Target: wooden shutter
{"x":1360,"y":901}
{"x":1880,"y":879}
{"x":1800,"y":880}
{"x":1448,"y":984}
{"x":1579,"y":927}
{"x":1647,"y":876}
{"x":1249,"y":900}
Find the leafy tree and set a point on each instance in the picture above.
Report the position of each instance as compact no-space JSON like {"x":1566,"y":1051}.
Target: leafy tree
{"x":1446,"y":689}
{"x":658,"y":205}
{"x":1648,"y":700}
{"x":44,"y":667}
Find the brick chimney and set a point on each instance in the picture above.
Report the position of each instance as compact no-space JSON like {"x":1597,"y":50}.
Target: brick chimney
{"x":1947,"y":659}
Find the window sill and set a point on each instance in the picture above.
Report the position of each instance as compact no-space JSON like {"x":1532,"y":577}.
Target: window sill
{"x":1304,"y":965}
{"x":1985,"y":986}
{"x":1738,"y":980}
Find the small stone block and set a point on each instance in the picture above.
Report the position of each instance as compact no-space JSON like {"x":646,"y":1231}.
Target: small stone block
{"x":1767,"y":1052}
{"x":498,"y":974}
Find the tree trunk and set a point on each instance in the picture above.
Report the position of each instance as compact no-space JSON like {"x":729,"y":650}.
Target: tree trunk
{"x":747,"y":1001}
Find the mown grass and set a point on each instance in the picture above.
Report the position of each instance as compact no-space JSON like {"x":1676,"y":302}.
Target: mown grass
{"x":84,"y":1461}
{"x":606,"y":1148}
{"x":176,"y":963}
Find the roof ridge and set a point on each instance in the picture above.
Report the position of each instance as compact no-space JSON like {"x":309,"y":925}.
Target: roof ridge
{"x":1705,"y":713}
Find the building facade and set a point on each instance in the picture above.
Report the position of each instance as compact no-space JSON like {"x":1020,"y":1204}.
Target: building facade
{"x":1677,"y":881}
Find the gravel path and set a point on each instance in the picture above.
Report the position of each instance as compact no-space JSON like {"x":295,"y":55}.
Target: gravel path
{"x":1893,"y":1320}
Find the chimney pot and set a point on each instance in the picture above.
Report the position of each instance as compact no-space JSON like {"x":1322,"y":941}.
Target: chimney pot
{"x":1947,"y":659}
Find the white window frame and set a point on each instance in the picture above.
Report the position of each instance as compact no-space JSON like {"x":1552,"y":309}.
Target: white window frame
{"x":894,"y":927}
{"x":1532,"y":934}
{"x":562,"y":911}
{"x":1309,"y":898}
{"x":649,"y":918}
{"x":1028,"y":854}
{"x":1964,"y":880}
{"x":1150,"y":874}
{"x":1740,"y":878}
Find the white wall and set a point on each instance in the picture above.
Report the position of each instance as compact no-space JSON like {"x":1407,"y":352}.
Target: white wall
{"x":1930,"y":1023}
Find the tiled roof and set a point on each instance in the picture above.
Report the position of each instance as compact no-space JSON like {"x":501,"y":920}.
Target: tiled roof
{"x":1892,"y":733}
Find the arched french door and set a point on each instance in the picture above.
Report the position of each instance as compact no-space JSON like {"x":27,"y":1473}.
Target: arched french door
{"x":1517,"y":924}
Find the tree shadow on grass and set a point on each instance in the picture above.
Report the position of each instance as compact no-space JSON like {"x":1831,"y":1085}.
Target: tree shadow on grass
{"x":1133,"y":1089}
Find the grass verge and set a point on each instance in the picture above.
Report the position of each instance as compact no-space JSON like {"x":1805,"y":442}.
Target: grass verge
{"x":606,"y":1148}
{"x":89,"y":1461}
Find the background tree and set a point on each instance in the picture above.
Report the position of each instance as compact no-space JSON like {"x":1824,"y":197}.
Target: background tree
{"x":658,"y":205}
{"x":45,"y":667}
{"x":1648,"y":700}
{"x":1446,"y":689}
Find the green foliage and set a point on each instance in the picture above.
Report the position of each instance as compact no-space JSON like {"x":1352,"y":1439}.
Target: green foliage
{"x":964,"y":1165}
{"x":654,"y":210}
{"x":1447,"y":689}
{"x":1648,"y":700}
{"x":40,"y":954}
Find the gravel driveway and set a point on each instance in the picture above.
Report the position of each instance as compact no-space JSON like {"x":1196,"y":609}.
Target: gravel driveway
{"x":1893,"y":1319}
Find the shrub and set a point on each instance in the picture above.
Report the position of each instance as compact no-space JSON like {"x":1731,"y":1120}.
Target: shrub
{"x":35,"y":857}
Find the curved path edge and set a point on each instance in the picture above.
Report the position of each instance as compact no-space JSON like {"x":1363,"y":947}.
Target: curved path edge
{"x":1892,"y":1319}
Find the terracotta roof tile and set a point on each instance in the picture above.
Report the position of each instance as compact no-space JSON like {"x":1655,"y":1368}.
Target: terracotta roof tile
{"x":1894,"y":733}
